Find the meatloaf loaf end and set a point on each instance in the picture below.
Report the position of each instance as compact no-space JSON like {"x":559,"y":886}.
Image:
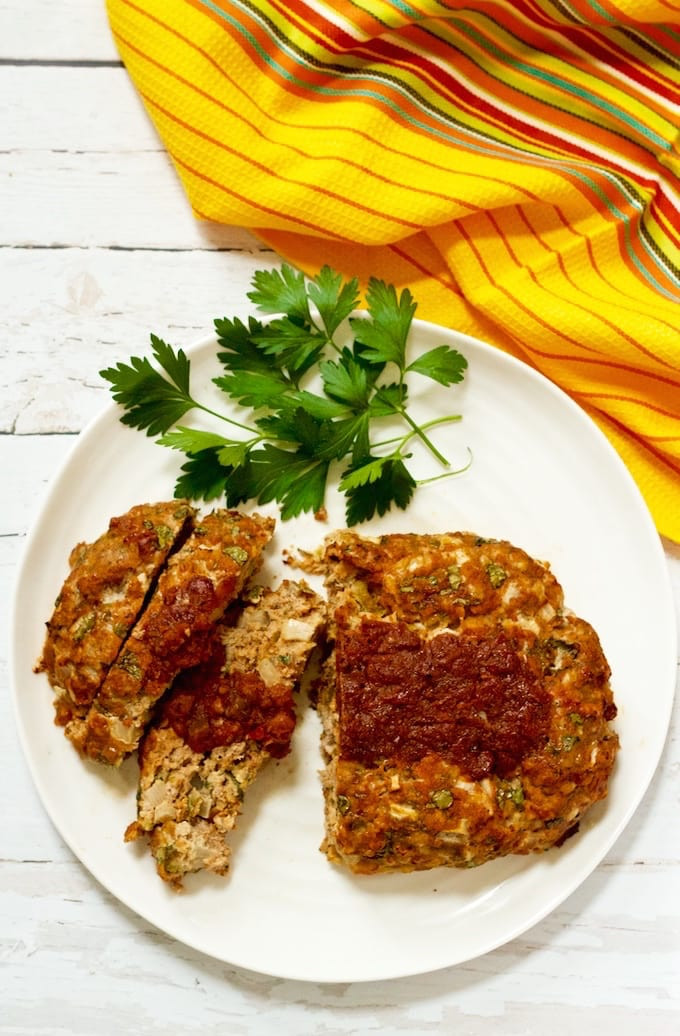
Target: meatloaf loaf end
{"x":101,"y":598}
{"x":466,"y":712}
{"x":193,"y":591}
{"x":220,"y":723}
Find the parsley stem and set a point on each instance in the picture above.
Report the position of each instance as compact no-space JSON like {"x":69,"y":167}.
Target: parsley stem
{"x":223,"y":417}
{"x":403,"y":439}
{"x":417,"y":430}
{"x":441,"y":420}
{"x":446,"y":474}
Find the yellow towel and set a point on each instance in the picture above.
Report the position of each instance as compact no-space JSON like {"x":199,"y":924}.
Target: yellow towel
{"x":514,"y":162}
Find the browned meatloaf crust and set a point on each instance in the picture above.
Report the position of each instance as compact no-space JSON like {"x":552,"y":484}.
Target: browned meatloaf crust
{"x":193,"y":591}
{"x":101,"y":598}
{"x":466,"y":712}
{"x":221,"y":722}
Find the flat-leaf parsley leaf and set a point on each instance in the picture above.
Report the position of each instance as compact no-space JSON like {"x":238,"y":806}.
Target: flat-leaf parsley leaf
{"x":297,"y":431}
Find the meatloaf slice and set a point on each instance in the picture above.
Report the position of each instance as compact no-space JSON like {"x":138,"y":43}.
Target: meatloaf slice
{"x":221,"y":722}
{"x":102,"y":597}
{"x":194,"y":590}
{"x":466,"y":712}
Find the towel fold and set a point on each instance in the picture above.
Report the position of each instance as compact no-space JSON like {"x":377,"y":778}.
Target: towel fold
{"x":514,"y":164}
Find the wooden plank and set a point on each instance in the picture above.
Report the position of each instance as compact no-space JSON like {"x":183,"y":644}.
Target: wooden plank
{"x":70,"y":312}
{"x":128,"y":200}
{"x":81,"y":164}
{"x":44,"y":30}
{"x":73,"y":109}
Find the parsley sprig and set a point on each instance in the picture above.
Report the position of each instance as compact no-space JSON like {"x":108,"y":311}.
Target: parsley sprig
{"x":317,"y":380}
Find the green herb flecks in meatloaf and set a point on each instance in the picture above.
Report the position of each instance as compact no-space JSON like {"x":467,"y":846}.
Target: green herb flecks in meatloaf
{"x":466,"y":712}
{"x":193,"y":591}
{"x":220,"y":723}
{"x":101,"y":598}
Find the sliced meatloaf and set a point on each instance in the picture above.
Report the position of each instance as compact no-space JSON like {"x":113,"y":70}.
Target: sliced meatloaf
{"x":466,"y":711}
{"x":102,"y":596}
{"x":221,"y":722}
{"x":173,"y":632}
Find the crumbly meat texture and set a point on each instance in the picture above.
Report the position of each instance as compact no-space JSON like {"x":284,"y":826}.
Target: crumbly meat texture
{"x":221,"y":722}
{"x":466,"y":712}
{"x":101,"y":599}
{"x":193,"y":592}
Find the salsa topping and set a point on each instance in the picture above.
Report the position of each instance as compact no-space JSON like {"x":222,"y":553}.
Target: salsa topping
{"x":470,"y":698}
{"x":209,"y":709}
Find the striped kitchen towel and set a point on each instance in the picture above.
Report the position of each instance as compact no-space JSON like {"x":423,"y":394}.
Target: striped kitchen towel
{"x":514,"y":162}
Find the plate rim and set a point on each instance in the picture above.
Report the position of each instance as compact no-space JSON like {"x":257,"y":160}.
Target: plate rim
{"x":461,"y":340}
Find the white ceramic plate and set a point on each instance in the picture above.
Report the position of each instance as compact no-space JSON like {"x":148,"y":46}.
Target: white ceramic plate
{"x":543,"y":477}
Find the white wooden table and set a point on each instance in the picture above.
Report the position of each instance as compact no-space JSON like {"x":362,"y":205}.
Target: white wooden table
{"x":97,"y":248}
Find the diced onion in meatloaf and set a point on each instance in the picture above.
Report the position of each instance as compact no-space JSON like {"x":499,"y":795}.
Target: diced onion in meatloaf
{"x":193,"y":591}
{"x":466,"y":711}
{"x":106,"y":588}
{"x":221,"y":722}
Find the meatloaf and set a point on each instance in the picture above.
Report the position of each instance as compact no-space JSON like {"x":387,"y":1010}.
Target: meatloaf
{"x":220,"y":723}
{"x":173,"y":632}
{"x":102,"y":596}
{"x":466,"y":711}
